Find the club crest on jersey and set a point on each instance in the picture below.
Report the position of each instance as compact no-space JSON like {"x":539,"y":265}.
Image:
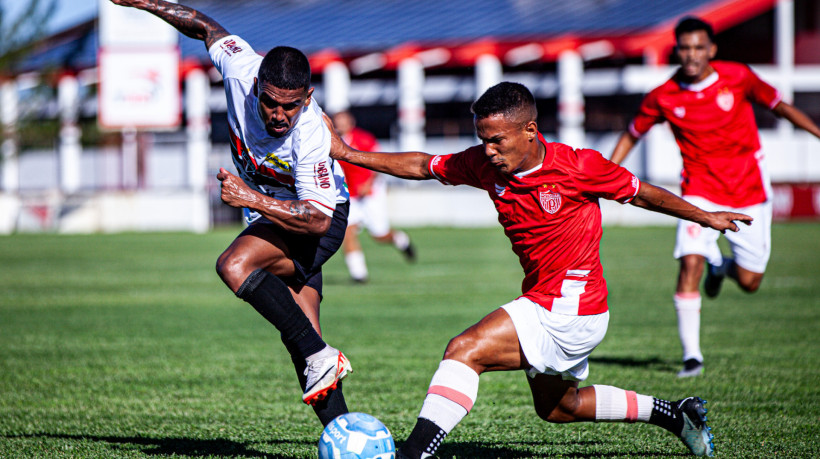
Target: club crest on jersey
{"x":550,"y":199}
{"x":725,"y":99}
{"x":680,"y":112}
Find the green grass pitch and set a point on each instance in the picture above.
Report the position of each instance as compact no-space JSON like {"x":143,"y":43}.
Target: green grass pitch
{"x":129,"y":346}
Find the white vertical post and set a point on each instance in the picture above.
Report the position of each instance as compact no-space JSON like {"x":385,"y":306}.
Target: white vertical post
{"x":197,"y":91}
{"x":571,"y":99}
{"x":68,"y":100}
{"x":488,"y":73}
{"x":784,"y":38}
{"x":8,"y":119}
{"x":411,"y":105}
{"x":130,"y":151}
{"x":337,"y":87}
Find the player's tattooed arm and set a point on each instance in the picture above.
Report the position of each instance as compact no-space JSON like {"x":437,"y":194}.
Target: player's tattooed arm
{"x":187,"y":20}
{"x":298,"y":217}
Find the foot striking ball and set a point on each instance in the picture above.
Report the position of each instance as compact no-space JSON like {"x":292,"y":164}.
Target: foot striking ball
{"x":356,"y":436}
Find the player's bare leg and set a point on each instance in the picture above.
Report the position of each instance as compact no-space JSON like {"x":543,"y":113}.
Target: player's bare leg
{"x":560,"y":401}
{"x":688,"y":306}
{"x":354,"y":255}
{"x":401,"y":241}
{"x":262,"y":257}
{"x":490,"y":345}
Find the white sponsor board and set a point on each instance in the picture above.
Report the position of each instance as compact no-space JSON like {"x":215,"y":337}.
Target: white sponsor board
{"x":121,"y":26}
{"x":139,"y":89}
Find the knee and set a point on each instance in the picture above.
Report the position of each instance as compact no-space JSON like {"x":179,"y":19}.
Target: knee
{"x":561,"y":412}
{"x":751,"y":285}
{"x":461,"y":348}
{"x":232,"y":270}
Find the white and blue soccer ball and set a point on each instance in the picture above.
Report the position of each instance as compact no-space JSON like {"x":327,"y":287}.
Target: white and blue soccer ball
{"x":356,"y":436}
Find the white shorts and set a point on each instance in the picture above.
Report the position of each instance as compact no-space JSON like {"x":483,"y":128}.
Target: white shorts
{"x":556,"y":344}
{"x":370,"y":212}
{"x":751,"y":246}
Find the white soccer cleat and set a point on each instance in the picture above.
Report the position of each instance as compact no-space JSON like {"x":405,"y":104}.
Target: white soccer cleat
{"x":323,"y":376}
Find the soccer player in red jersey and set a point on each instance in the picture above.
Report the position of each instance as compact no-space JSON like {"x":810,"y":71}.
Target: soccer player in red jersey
{"x":546,"y":195}
{"x":368,"y":202}
{"x":708,"y":106}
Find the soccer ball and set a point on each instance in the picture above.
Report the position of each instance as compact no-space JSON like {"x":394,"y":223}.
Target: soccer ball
{"x":356,"y":436}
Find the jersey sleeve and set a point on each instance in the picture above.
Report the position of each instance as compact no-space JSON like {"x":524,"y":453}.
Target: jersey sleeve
{"x":313,"y":168}
{"x":457,"y":168}
{"x":649,"y":114}
{"x":759,"y":91}
{"x":601,"y":177}
{"x":234,"y":58}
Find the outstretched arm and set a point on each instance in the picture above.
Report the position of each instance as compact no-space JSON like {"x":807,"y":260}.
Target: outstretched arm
{"x":797,"y":118}
{"x":658,"y":199}
{"x":300,"y":217}
{"x":188,"y":21}
{"x":623,"y":147}
{"x":408,"y":165}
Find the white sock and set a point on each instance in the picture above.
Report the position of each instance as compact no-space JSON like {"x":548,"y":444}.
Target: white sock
{"x":687,"y":306}
{"x":326,"y":352}
{"x":614,"y":404}
{"x":356,"y":265}
{"x":400,"y":239}
{"x":452,"y":393}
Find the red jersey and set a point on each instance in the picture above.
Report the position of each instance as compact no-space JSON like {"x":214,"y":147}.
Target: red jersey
{"x":552,"y":218}
{"x":715,"y":128}
{"x":355,"y":176}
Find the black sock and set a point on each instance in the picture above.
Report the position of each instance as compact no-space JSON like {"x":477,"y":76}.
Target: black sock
{"x":426,"y":437}
{"x":333,"y":405}
{"x":666,"y":414}
{"x":272,"y":298}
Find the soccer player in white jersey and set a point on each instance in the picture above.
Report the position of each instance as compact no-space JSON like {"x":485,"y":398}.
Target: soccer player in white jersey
{"x":292,"y":192}
{"x":546,"y":195}
{"x":708,"y":105}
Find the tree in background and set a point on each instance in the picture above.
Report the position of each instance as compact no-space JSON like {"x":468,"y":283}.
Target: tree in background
{"x":18,"y":33}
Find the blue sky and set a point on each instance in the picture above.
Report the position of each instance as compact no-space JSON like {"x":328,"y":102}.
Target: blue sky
{"x":69,"y":12}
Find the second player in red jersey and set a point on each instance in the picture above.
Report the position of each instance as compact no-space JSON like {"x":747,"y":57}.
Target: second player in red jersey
{"x":708,"y":105}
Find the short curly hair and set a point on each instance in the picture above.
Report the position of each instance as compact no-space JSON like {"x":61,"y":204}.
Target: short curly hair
{"x":512,"y":100}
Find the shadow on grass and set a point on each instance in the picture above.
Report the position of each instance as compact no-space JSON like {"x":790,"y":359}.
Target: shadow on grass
{"x":656,"y":362}
{"x":173,"y":446}
{"x":480,"y":450}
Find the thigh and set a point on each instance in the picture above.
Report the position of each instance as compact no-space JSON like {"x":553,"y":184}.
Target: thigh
{"x":693,"y":239}
{"x":489,"y":345}
{"x":751,"y":246}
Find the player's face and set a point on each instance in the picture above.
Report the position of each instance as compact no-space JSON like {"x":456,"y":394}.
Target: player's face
{"x":695,"y":50}
{"x":280,"y":108}
{"x":511,"y":146}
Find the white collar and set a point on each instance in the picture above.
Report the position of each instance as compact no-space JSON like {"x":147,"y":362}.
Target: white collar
{"x":702,"y":84}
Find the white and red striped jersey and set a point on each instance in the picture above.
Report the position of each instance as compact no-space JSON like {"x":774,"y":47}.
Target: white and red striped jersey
{"x":295,"y":167}
{"x":715,"y":128}
{"x":552,"y":217}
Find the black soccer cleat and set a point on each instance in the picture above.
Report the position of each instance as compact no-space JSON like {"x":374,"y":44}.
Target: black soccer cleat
{"x":691,"y":367}
{"x":713,"y":281}
{"x":409,"y":252}
{"x":695,"y":434}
